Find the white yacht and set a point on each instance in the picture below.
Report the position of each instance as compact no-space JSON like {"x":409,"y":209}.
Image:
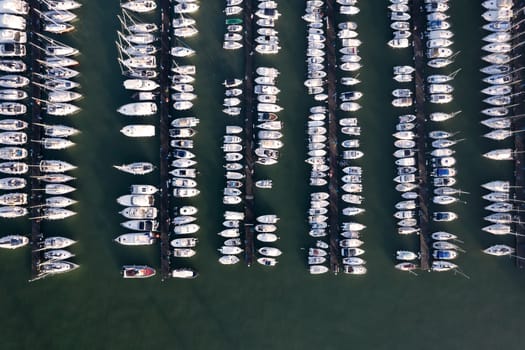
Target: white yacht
{"x":12,"y":21}
{"x":140,"y":84}
{"x":138,"y":109}
{"x":139,"y":6}
{"x":13,"y":241}
{"x":136,"y":238}
{"x":53,"y":166}
{"x":138,"y":130}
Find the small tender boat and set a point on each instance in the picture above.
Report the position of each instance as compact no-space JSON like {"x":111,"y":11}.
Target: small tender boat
{"x":185,"y":272}
{"x":137,"y":271}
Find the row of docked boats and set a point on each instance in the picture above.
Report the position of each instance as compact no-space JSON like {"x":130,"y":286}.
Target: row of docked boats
{"x":57,"y":80}
{"x":268,"y":126}
{"x":400,"y":24}
{"x":440,"y":55}
{"x":317,"y":130}
{"x":234,"y":25}
{"x":54,"y":255}
{"x":350,"y":234}
{"x":499,"y":97}
{"x":498,"y":56}
{"x":267,"y":41}
{"x":503,"y":214}
{"x":406,"y":150}
{"x":317,"y":138}
{"x":138,"y":63}
{"x":232,"y":147}
{"x":183,"y":128}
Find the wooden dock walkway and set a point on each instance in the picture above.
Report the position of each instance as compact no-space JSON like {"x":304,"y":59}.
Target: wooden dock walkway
{"x":417,"y":28}
{"x":249,"y":112}
{"x":333,"y":156}
{"x":519,"y":140}
{"x":35,"y":148}
{"x":164,"y":108}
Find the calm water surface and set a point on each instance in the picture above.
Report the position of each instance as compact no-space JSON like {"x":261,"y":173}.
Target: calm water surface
{"x":239,"y":307}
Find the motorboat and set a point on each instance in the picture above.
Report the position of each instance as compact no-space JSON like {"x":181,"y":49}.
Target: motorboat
{"x":13,"y":241}
{"x":138,"y":200}
{"x":138,"y":109}
{"x":141,"y":225}
{"x":399,"y":43}
{"x":267,"y":261}
{"x":136,"y":238}
{"x":138,"y":130}
{"x":185,"y":192}
{"x":143,"y":189}
{"x":269,"y":251}
{"x":186,"y":273}
{"x":138,"y":168}
{"x":140,"y":84}
{"x":11,"y":21}
{"x":406,"y":266}
{"x":444,"y":216}
{"x":183,"y":252}
{"x":406,"y":255}
{"x":444,"y":254}
{"x":186,"y":229}
{"x":137,"y":271}
{"x":229,"y":260}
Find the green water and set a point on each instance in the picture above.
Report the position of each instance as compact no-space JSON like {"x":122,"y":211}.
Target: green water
{"x":283,"y":308}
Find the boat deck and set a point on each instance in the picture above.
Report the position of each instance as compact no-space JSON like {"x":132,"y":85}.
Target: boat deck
{"x":519,"y":140}
{"x":35,"y":148}
{"x":249,"y":64}
{"x":164,"y":203}
{"x":333,"y":185}
{"x":417,"y":28}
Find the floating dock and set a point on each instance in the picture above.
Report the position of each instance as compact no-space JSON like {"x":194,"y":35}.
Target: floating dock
{"x":417,"y":28}
{"x":333,"y":185}
{"x":164,"y":108}
{"x":35,"y":148}
{"x":249,"y":111}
